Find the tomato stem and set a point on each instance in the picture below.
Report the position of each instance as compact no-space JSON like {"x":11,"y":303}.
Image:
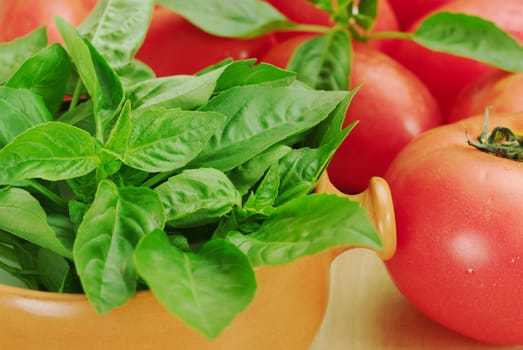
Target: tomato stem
{"x":501,"y":142}
{"x":306,"y":28}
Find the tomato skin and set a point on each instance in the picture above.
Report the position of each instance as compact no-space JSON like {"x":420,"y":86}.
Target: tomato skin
{"x":409,"y":11}
{"x":499,"y":90}
{"x":445,"y":74}
{"x":392,"y":107}
{"x":20,"y":17}
{"x":459,"y":255}
{"x":174,"y":46}
{"x":304,"y":12}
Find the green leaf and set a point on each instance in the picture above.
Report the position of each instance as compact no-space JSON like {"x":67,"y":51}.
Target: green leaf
{"x":231,"y":18}
{"x":306,"y":226}
{"x":472,"y":37}
{"x":167,"y":139}
{"x":325,"y":5}
{"x":99,"y":79}
{"x":117,"y":28}
{"x":51,"y":151}
{"x":324,"y":62}
{"x":45,"y":74}
{"x":112,"y":226}
{"x":197,"y":197}
{"x":247,"y":174}
{"x":245,"y":72}
{"x":23,"y":216}
{"x":366,"y":15}
{"x":207,"y":289}
{"x":258,"y":117}
{"x":14,"y":53}
{"x":55,"y":271}
{"x":178,"y":91}
{"x":21,"y":110}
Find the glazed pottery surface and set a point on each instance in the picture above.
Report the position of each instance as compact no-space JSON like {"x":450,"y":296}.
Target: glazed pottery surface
{"x":286,"y":312}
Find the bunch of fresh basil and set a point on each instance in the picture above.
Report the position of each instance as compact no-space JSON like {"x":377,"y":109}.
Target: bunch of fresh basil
{"x":113,"y":180}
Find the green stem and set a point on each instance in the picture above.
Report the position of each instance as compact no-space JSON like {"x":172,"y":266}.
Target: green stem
{"x":501,"y":142}
{"x":53,"y":197}
{"x":156,"y":179}
{"x":311,"y":28}
{"x":76,"y":95}
{"x":389,"y":35}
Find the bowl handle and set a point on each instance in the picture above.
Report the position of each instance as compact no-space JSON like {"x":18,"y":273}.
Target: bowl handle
{"x":377,"y":200}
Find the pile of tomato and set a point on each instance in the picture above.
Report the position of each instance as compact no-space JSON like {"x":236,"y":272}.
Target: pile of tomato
{"x":460,"y":236}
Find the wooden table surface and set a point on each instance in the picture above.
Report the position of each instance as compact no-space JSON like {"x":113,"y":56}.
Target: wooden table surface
{"x":367,"y":312}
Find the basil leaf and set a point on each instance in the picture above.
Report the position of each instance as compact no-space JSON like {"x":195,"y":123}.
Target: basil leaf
{"x":21,"y":110}
{"x":301,"y":168}
{"x":246,"y":73}
{"x":45,"y":74}
{"x":99,"y":79}
{"x":178,"y":91}
{"x":197,"y":197}
{"x":206,"y":289}
{"x":167,"y":139}
{"x":232,"y":18}
{"x":472,"y":37}
{"x":305,"y":226}
{"x":366,"y":15}
{"x":261,"y":119}
{"x":14,"y":53}
{"x":22,"y":215}
{"x":55,"y":272}
{"x":325,"y":5}
{"x":324,"y":62}
{"x":52,"y":151}
{"x":112,"y":226}
{"x":247,"y":174}
{"x":117,"y":28}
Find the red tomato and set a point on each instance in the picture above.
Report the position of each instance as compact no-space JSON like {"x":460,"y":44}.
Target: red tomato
{"x":393,"y":107}
{"x":500,"y":90}
{"x":445,"y":74}
{"x":459,"y":255}
{"x":175,"y":46}
{"x":304,"y":12}
{"x":409,"y":11}
{"x":20,"y":17}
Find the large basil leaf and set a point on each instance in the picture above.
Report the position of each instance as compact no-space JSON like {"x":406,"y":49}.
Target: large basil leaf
{"x":196,"y":197}
{"x":307,"y":225}
{"x":167,"y":139}
{"x":99,"y":79}
{"x":112,"y":226}
{"x":206,"y":289}
{"x":46,"y":74}
{"x":258,"y":117}
{"x":23,"y":216}
{"x":51,"y":151}
{"x":14,"y":53}
{"x":470,"y":36}
{"x":231,"y":18}
{"x":21,"y":110}
{"x":324,"y":62}
{"x":117,"y":28}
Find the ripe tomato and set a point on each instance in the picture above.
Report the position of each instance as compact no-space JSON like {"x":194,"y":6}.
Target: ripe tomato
{"x":499,"y":90}
{"x":445,"y":74}
{"x":392,"y":107}
{"x":304,"y":12}
{"x":18,"y":18}
{"x":409,"y":11}
{"x":459,"y":255}
{"x":174,"y":46}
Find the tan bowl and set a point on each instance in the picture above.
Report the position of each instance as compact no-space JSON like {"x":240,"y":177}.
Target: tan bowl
{"x":286,"y":313}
